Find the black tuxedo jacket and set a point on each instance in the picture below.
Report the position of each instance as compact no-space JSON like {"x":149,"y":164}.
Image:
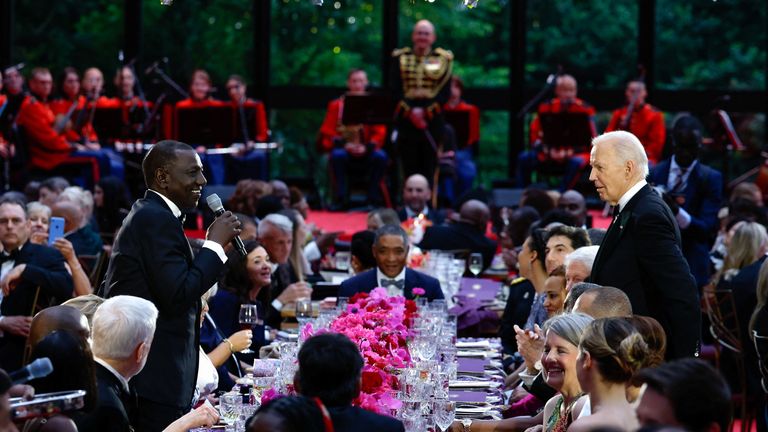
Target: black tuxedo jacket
{"x":151,"y":258}
{"x":701,"y":198}
{"x":459,"y":236}
{"x":641,"y":255}
{"x":366,"y":281}
{"x":354,"y":419}
{"x":44,"y":269}
{"x":114,"y":409}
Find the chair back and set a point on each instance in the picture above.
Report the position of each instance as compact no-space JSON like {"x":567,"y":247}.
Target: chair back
{"x":724,"y":323}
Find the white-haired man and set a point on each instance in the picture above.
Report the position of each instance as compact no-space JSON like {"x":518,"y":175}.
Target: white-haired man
{"x":276,"y":235}
{"x":641,"y":252}
{"x":578,"y":265}
{"x":123,"y":329}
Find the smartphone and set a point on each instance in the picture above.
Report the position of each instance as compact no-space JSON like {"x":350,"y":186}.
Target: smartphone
{"x":55,"y":229}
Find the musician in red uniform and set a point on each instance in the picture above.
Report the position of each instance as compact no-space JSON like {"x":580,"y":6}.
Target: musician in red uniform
{"x":466,"y":170}
{"x":565,"y":100}
{"x":47,"y":147}
{"x":353,"y":149}
{"x":644,"y":121}
{"x":200,"y":88}
{"x":251,"y":163}
{"x":71,"y":111}
{"x":135,"y":110}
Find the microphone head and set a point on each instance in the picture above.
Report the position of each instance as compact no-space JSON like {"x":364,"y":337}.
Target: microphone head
{"x":214,"y":202}
{"x":40,"y":368}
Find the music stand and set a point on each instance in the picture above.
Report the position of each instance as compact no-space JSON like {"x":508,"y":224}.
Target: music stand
{"x":108,"y":123}
{"x":367,"y":109}
{"x":566,"y":130}
{"x":206,"y":126}
{"x":459,"y":121}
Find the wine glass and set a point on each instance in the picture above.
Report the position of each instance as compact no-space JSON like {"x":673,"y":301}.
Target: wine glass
{"x":445,"y":413}
{"x":303,"y":311}
{"x":249,"y":317}
{"x":476,"y":263}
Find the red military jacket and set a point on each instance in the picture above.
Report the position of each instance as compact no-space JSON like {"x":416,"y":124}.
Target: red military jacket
{"x":647,"y":124}
{"x":330,"y":129}
{"x":555,"y":106}
{"x":47,"y":149}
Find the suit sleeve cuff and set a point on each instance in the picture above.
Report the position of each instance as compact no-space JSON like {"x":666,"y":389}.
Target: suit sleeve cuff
{"x":212,"y":245}
{"x":683,"y":218}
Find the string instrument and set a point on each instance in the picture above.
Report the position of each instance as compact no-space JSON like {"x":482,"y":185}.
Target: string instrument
{"x":62,"y":122}
{"x":627,"y":119}
{"x":243,"y":124}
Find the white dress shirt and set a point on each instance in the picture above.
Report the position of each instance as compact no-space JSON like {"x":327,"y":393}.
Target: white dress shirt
{"x":631,"y":193}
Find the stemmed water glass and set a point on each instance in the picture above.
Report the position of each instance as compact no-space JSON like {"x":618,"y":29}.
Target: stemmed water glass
{"x":249,"y":317}
{"x":445,"y":413}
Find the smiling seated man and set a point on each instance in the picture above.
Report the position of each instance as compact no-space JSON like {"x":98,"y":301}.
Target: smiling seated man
{"x":390,"y":249}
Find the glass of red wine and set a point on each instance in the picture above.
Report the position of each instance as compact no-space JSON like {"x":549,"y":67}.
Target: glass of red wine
{"x":249,"y":317}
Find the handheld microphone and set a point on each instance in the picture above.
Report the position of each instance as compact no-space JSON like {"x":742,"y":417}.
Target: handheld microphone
{"x":37,"y":369}
{"x":214,"y":202}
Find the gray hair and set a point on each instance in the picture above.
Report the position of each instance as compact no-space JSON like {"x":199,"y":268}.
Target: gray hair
{"x":627,"y":148}
{"x":38,"y":207}
{"x":120,"y":324}
{"x":585,"y":255}
{"x":278,"y":221}
{"x":393,"y":230}
{"x":568,"y":326}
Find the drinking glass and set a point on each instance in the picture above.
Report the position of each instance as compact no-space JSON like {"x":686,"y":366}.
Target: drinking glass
{"x":445,"y":413}
{"x":249,"y":316}
{"x":342,"y":260}
{"x":229,"y":407}
{"x":475,"y":263}
{"x":303,"y":311}
{"x":341,"y":304}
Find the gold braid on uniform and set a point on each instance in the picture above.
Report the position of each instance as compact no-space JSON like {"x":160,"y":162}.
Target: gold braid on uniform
{"x":423,"y":77}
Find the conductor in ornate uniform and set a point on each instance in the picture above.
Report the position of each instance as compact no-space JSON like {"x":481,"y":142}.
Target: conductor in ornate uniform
{"x":422,"y":85}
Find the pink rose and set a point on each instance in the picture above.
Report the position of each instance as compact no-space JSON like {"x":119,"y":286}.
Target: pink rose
{"x":419,"y":291}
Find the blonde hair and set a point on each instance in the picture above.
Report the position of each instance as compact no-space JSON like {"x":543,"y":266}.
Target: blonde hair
{"x":747,"y":245}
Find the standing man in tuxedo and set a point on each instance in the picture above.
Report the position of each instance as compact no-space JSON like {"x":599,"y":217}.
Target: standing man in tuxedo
{"x":152,"y":259}
{"x":390,"y":249}
{"x":32,"y":277}
{"x":693,"y":191}
{"x":641,"y":253}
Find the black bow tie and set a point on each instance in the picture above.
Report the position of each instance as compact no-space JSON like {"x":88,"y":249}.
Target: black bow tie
{"x":616,"y":211}
{"x":5,"y":256}
{"x":396,"y":283}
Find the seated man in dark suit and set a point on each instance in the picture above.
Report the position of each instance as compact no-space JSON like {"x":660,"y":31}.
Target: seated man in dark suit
{"x":693,"y":191}
{"x":32,"y":277}
{"x":390,"y":248}
{"x":123,"y":329}
{"x":416,"y":197}
{"x":468,"y":232}
{"x":330,"y":368}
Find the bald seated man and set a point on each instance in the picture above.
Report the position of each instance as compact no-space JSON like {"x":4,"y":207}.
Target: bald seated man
{"x":416,"y":197}
{"x":573,"y":203}
{"x":84,"y":240}
{"x":55,"y":318}
{"x":603,"y":302}
{"x":466,"y":232}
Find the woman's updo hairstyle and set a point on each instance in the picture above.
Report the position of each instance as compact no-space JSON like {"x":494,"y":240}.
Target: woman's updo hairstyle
{"x":617,"y":348}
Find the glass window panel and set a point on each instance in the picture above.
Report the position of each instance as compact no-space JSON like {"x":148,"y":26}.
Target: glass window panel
{"x":492,"y":162}
{"x":318,"y":45}
{"x":710,"y":44}
{"x":217,"y":37}
{"x":593,"y":40}
{"x":478,"y":38}
{"x":297,"y":129}
{"x":68,"y":33}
